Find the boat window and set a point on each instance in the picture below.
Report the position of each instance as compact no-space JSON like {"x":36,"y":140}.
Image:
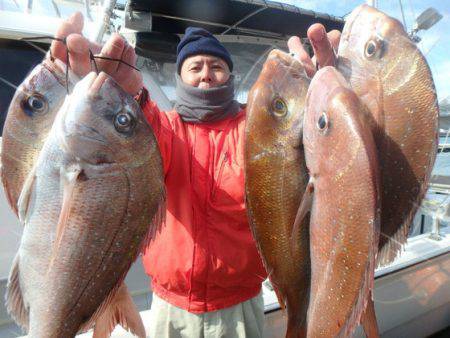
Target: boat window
{"x":435,"y":208}
{"x":247,"y":58}
{"x":54,"y":9}
{"x":17,"y":59}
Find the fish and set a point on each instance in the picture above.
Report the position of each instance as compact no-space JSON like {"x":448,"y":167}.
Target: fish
{"x":29,"y":119}
{"x":393,"y":80}
{"x":343,"y":194}
{"x":275,"y":179}
{"x":92,"y":203}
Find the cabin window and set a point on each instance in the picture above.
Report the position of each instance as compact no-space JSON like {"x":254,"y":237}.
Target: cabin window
{"x":17,"y":59}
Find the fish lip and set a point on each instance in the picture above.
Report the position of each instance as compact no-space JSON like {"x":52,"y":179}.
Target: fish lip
{"x":287,"y":60}
{"x":87,"y":137}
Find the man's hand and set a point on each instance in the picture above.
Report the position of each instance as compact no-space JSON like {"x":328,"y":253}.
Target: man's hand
{"x":323,"y":45}
{"x":116,"y":47}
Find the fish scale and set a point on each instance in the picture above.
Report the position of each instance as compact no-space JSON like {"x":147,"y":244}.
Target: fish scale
{"x":90,"y":205}
{"x":275,"y":178}
{"x":396,"y":86}
{"x":344,"y":226}
{"x":25,"y":130}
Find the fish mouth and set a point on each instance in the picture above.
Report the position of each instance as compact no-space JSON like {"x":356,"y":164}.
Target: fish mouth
{"x":287,"y":60}
{"x":85,"y":84}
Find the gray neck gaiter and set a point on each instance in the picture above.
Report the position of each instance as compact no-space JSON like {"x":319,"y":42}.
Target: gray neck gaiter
{"x":197,"y":105}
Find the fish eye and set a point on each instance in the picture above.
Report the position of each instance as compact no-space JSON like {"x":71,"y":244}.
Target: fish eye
{"x":35,"y":104}
{"x":372,"y":48}
{"x":124,"y":122}
{"x":322,"y":122}
{"x":279,"y":107}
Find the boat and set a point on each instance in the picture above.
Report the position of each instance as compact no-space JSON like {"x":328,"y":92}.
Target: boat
{"x":412,"y":295}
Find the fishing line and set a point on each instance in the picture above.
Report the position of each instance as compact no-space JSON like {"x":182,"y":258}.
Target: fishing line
{"x":9,"y":83}
{"x":36,"y":47}
{"x":395,"y":301}
{"x":92,"y":57}
{"x":67,"y":68}
{"x":63,"y":41}
{"x":119,"y":60}
{"x":43,"y":37}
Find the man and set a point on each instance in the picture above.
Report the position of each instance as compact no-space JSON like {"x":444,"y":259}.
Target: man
{"x":205,"y":268}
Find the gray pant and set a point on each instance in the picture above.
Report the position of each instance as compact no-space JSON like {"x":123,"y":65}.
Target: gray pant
{"x":244,"y":320}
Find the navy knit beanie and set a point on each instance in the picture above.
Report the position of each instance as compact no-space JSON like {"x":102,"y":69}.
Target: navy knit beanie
{"x":199,"y":41}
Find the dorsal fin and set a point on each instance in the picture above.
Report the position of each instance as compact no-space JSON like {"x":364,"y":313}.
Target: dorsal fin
{"x":156,"y":223}
{"x":14,"y":299}
{"x":120,"y":310}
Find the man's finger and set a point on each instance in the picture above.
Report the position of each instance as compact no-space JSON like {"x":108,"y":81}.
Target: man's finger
{"x":295,"y":47}
{"x":95,"y":47}
{"x":129,"y":78}
{"x":334,"y":36}
{"x":80,"y":62}
{"x":132,"y":83}
{"x":113,"y":48}
{"x":74,"y":24}
{"x":323,"y":50}
{"x":128,"y":56}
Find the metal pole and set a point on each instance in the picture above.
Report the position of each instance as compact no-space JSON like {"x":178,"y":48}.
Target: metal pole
{"x":403,"y":14}
{"x":108,"y":7}
{"x":55,"y":7}
{"x":29,"y":6}
{"x":242,"y":20}
{"x":435,"y":230}
{"x":87,"y":9}
{"x":215,"y":24}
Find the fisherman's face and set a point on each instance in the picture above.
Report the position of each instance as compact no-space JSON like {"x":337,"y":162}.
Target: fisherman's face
{"x":204,"y":71}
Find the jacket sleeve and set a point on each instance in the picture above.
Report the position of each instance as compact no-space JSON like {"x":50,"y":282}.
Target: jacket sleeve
{"x":162,"y":129}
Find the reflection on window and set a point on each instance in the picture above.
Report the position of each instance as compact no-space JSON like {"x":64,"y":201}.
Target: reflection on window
{"x":247,"y":59}
{"x":60,"y":9}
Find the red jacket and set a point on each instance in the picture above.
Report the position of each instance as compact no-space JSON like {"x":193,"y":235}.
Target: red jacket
{"x":204,"y":258}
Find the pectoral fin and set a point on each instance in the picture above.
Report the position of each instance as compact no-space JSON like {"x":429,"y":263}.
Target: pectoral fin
{"x":25,"y":196}
{"x":68,"y":178}
{"x":304,"y":208}
{"x":120,"y":310}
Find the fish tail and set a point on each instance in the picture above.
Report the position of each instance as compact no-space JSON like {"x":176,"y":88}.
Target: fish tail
{"x":295,"y":329}
{"x":369,"y":320}
{"x":296,"y":325}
